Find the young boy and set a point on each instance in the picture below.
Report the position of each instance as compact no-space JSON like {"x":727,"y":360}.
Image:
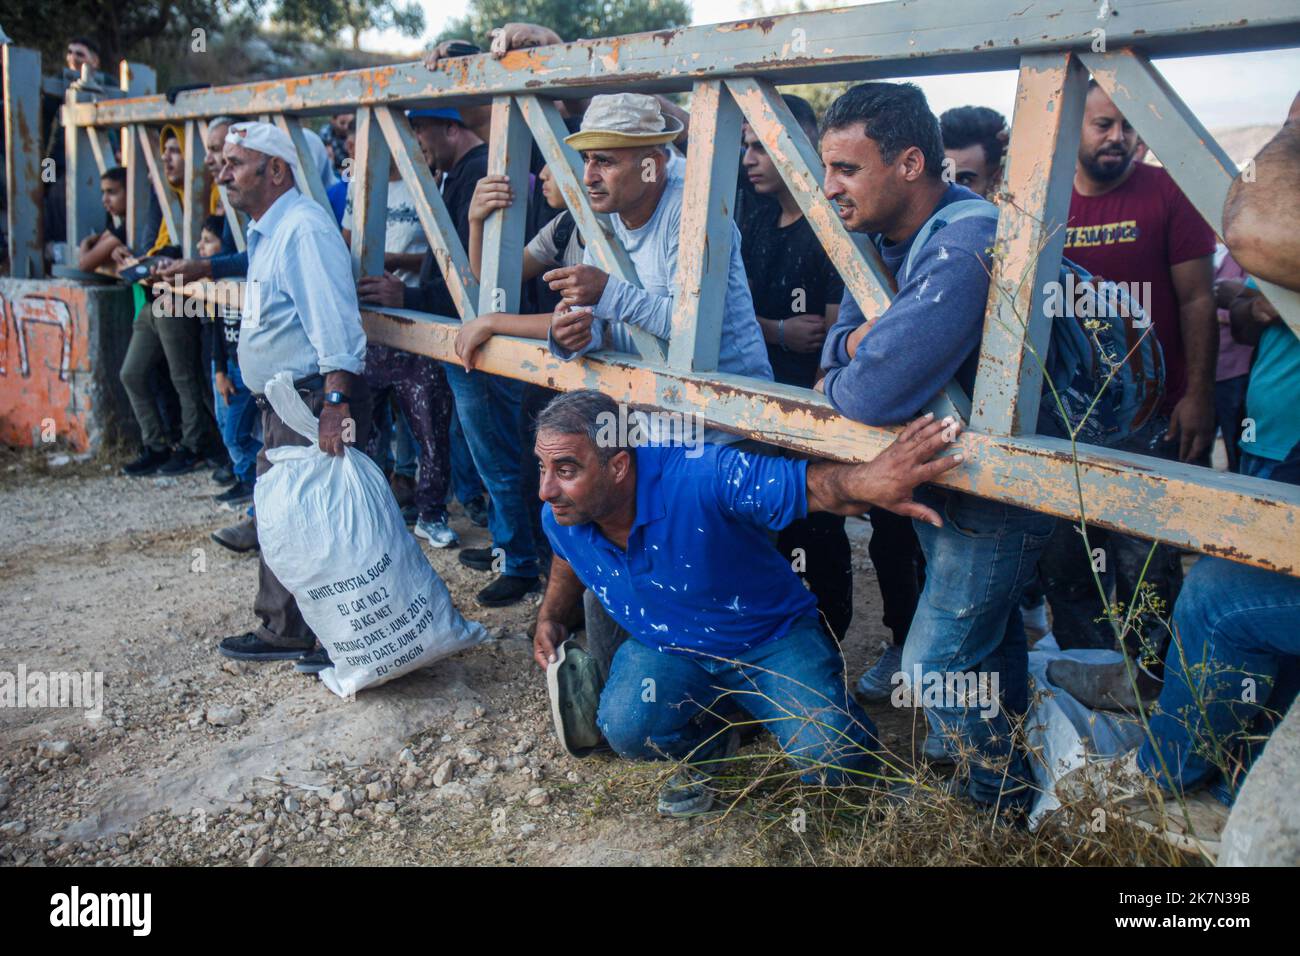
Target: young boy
{"x":558,"y":243}
{"x":97,"y":250}
{"x":233,"y":403}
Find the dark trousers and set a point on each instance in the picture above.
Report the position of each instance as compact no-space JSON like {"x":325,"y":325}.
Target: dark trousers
{"x":1066,"y":566}
{"x":280,"y":622}
{"x":175,"y":338}
{"x":1229,"y":410}
{"x":165,"y":400}
{"x":419,"y":385}
{"x":1079,"y":618}
{"x":900,"y":569}
{"x":819,"y":551}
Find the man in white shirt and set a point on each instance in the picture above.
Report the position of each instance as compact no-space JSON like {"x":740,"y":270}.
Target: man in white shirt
{"x":630,"y":173}
{"x":299,"y":315}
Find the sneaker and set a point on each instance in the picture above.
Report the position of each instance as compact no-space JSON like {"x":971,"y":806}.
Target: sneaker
{"x":239,"y":537}
{"x":689,"y":792}
{"x":877,"y":684}
{"x":250,"y":647}
{"x":147,"y":464}
{"x":935,"y":750}
{"x":224,"y":475}
{"x":507,"y":589}
{"x":237,"y":493}
{"x":476,"y":510}
{"x":436,"y":532}
{"x":315,"y":662}
{"x":1194,"y":825}
{"x":480,"y":559}
{"x":182,"y":462}
{"x":686,"y":794}
{"x":1105,"y":686}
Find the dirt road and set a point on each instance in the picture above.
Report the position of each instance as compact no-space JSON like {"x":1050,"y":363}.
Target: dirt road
{"x":199,"y":759}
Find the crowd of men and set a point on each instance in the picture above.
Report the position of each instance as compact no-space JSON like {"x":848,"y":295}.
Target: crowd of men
{"x":640,"y":540}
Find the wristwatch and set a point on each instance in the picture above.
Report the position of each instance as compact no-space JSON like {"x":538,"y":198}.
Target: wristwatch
{"x":336,"y":398}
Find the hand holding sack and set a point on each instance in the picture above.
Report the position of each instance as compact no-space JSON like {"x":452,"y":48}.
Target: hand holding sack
{"x":331,"y":531}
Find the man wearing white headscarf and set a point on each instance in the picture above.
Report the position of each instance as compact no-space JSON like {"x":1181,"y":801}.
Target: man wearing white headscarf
{"x":300,"y":314}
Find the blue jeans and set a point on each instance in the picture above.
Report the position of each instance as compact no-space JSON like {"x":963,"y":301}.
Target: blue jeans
{"x":236,"y":418}
{"x":488,"y":409}
{"x":405,"y":447}
{"x":1235,"y":629}
{"x":1271,"y":469}
{"x":968,"y":621}
{"x":465,"y":482}
{"x":661,"y":705}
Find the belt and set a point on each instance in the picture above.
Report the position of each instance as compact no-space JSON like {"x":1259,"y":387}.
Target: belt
{"x":304,"y":386}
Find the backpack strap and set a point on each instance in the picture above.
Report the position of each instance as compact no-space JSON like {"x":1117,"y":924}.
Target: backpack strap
{"x":564,"y":230}
{"x":945,"y":216}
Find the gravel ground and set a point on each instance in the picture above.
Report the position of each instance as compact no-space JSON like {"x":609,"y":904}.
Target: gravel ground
{"x":200,"y":760}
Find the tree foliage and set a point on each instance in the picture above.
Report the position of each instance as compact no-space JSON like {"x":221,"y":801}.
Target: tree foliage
{"x":326,"y":19}
{"x":120,"y":27}
{"x":571,"y":19}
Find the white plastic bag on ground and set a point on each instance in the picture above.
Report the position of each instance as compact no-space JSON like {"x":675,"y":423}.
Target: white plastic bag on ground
{"x":1061,"y":730}
{"x":332,"y":532}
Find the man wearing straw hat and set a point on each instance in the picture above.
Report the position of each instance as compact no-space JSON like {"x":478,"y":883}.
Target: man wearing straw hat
{"x":300,"y":314}
{"x":630,"y":173}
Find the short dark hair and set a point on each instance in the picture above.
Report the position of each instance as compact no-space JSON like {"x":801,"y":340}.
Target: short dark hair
{"x":965,"y":126}
{"x":583,"y":412}
{"x":803,"y":113}
{"x":88,"y":43}
{"x":215,"y":224}
{"x":895,"y":115}
{"x":116,"y":174}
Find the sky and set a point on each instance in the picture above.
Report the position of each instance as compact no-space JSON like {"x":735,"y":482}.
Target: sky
{"x":1240,"y":89}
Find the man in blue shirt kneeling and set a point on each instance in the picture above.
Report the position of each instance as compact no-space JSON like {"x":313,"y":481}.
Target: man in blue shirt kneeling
{"x":674,"y":542}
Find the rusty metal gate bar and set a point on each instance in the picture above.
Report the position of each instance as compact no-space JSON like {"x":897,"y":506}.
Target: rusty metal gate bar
{"x":732,"y":68}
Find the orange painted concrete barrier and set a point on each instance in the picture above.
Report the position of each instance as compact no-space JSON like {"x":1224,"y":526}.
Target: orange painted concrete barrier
{"x":61,"y":347}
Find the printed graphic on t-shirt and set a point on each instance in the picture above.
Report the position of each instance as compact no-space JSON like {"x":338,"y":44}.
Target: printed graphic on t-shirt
{"x":1103,"y":234}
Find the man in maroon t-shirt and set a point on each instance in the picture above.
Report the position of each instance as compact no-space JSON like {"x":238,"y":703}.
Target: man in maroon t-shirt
{"x":1129,"y":223}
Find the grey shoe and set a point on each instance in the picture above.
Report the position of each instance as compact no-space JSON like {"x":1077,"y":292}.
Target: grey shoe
{"x":877,"y":684}
{"x":1104,"y":686}
{"x":686,"y":794}
{"x":935,"y":750}
{"x":436,"y":532}
{"x":240,"y":537}
{"x":690,"y":791}
{"x":574,"y":684}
